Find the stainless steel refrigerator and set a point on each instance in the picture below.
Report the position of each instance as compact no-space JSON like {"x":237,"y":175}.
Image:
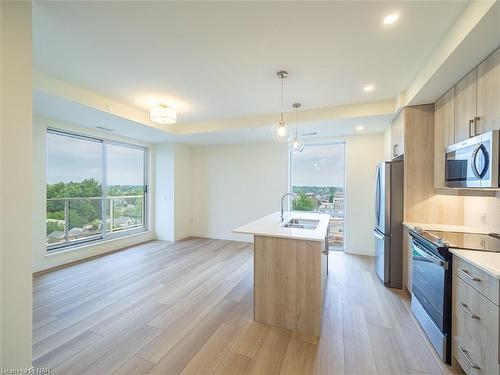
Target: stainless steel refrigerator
{"x":388,"y":229}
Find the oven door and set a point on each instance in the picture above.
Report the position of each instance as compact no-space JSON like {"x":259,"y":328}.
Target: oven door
{"x":429,"y":283}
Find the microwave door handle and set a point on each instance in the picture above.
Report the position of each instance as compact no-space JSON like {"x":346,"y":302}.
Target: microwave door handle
{"x":475,"y":154}
{"x":429,"y":257}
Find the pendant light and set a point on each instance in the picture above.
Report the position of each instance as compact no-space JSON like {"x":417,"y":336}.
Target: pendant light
{"x":280,"y":131}
{"x":295,"y":144}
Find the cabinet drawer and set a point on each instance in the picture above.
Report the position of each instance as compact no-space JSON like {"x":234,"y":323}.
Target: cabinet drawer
{"x":475,"y":330}
{"x":478,"y":279}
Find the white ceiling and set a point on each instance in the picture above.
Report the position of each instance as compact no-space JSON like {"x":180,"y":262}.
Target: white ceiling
{"x":217,"y":60}
{"x":65,"y":111}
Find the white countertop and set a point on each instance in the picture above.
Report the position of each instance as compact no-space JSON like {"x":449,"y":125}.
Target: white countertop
{"x":445,"y":227}
{"x":271,"y":226}
{"x":487,"y":261}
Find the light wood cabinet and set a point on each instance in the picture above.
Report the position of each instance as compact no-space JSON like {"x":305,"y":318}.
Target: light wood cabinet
{"x":397,"y":135}
{"x":289,"y":281}
{"x":465,"y":105}
{"x":444,"y":133}
{"x":419,"y":164}
{"x":475,"y":320}
{"x":407,"y":259}
{"x":488,"y":94}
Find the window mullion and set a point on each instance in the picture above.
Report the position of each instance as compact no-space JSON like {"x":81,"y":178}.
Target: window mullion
{"x":104,"y":189}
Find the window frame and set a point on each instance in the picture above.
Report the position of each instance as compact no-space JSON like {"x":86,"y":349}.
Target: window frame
{"x":145,"y":205}
{"x":323,"y":143}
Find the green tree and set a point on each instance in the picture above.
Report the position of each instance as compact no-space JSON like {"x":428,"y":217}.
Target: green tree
{"x":304,"y":203}
{"x":53,"y":226}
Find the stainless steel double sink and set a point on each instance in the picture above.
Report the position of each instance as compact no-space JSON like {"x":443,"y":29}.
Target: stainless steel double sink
{"x":302,"y":224}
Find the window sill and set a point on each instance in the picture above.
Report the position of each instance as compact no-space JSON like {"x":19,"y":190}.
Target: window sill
{"x":88,"y":245}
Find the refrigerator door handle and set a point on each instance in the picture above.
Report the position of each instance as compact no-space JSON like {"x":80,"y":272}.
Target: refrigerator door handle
{"x":377,"y":197}
{"x":377,"y":234}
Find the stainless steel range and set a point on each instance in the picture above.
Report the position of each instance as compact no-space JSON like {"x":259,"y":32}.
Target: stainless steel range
{"x":431,"y":280}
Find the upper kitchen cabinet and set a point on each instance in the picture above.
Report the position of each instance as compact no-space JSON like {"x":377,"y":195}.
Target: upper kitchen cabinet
{"x":488,"y":94}
{"x":465,"y":106}
{"x":444,"y":133}
{"x":398,"y":135}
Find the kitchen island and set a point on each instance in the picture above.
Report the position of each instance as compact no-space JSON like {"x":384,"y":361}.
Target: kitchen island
{"x":290,"y":269}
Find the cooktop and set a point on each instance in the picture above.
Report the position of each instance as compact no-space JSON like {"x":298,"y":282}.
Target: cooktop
{"x":459,"y":240}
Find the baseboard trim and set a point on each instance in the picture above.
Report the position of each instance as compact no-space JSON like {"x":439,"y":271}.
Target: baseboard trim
{"x":360,"y":252}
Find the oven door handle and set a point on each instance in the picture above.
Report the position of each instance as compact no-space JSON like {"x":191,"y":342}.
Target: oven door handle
{"x":429,"y":257}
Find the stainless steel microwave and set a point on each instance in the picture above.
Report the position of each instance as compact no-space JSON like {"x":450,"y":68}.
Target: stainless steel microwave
{"x":473,"y":163}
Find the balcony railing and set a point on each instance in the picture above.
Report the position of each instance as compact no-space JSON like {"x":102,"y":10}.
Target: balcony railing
{"x":75,"y":219}
{"x":336,"y":232}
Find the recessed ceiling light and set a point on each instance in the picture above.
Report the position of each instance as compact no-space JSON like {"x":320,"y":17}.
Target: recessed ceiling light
{"x":359,"y":128}
{"x":391,"y":18}
{"x":368,"y":88}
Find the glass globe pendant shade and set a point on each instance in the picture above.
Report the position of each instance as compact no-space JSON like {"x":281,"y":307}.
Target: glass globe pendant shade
{"x":296,"y":145}
{"x":280,"y":132}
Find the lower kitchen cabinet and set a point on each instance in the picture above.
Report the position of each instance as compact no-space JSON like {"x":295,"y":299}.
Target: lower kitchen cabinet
{"x":475,"y":321}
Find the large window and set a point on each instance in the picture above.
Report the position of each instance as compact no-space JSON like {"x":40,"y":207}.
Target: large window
{"x":317,"y":180}
{"x":96,"y":189}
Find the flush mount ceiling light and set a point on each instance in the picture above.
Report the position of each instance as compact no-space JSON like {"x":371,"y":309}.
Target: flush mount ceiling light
{"x":295,"y":144}
{"x":280,"y":131}
{"x":391,"y":18}
{"x":368,"y":88}
{"x":162,"y":114}
{"x":360,"y":128}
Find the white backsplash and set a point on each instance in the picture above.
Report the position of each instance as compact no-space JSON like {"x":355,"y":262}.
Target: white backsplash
{"x":483,"y":213}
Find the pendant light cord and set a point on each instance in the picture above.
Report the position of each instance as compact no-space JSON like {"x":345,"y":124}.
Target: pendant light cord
{"x":282,"y":98}
{"x":296,"y":121}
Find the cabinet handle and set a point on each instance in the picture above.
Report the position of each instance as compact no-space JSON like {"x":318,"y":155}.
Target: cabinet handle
{"x":465,"y":354}
{"x":472,"y":128}
{"x":466,"y":273}
{"x":467,"y":310}
{"x":395,"y":151}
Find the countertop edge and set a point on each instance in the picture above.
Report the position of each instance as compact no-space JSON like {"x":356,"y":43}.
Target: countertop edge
{"x":463,"y":254}
{"x":294,"y":237}
{"x":445,"y":227}
{"x":253,"y":227}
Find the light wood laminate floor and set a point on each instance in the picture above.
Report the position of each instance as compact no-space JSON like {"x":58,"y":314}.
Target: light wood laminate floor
{"x":186,"y":308}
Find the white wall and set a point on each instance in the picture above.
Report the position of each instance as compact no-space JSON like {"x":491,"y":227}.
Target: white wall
{"x":363,"y":153}
{"x":41,"y":259}
{"x":482,"y":213}
{"x":183,"y":192}
{"x":15,"y":176}
{"x":235,"y":184}
{"x":164,"y":190}
{"x":173,"y":191}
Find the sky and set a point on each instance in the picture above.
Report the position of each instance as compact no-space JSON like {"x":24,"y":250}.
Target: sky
{"x":321,"y":165}
{"x":74,"y":160}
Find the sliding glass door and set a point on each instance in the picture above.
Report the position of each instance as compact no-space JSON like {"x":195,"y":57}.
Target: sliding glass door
{"x":96,"y":189}
{"x":318,"y":182}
